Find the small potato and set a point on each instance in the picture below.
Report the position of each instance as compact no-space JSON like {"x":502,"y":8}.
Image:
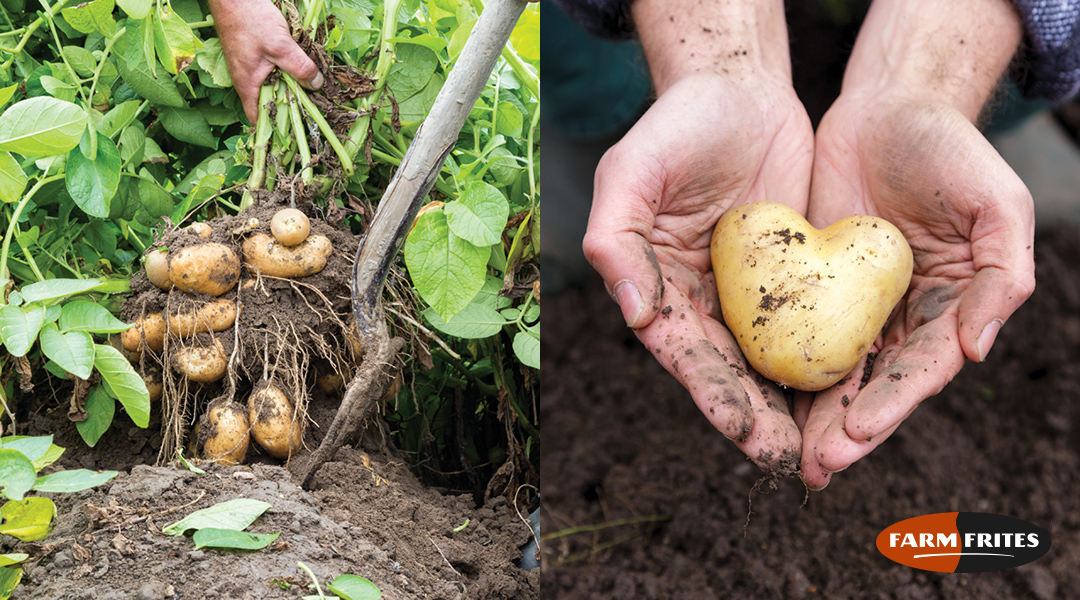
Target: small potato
{"x":290,"y":226}
{"x":805,"y":304}
{"x":330,"y":383}
{"x":154,"y":383}
{"x":209,"y":268}
{"x":226,"y":429}
{"x":203,"y":230}
{"x":269,"y":257}
{"x":273,"y":422}
{"x":199,"y":363}
{"x":148,"y":333}
{"x":217,"y":315}
{"x":157,"y":268}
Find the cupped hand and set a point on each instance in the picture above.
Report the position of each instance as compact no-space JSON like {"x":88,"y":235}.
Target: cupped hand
{"x":970,"y":222}
{"x":709,"y":143}
{"x":255,"y":38}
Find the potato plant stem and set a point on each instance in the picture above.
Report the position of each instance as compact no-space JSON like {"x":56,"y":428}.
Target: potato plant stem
{"x":359,"y":131}
{"x":262,"y":138}
{"x":301,"y":140}
{"x":14,"y":223}
{"x":30,"y":29}
{"x":316,"y":116}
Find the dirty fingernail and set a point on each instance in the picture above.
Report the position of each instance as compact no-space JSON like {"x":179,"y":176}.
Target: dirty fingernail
{"x":986,"y":338}
{"x":629,"y":299}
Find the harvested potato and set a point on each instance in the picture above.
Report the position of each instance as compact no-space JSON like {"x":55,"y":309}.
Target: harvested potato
{"x":269,"y":257}
{"x":201,"y":363}
{"x":148,"y":332}
{"x":154,"y":383}
{"x":226,"y":428}
{"x":209,"y":268}
{"x":290,"y":226}
{"x":804,"y":304}
{"x":157,"y":268}
{"x":203,"y":230}
{"x":217,"y":315}
{"x":273,"y":422}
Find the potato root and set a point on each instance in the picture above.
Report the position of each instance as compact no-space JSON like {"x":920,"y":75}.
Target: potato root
{"x":290,"y":226}
{"x":274,"y":425}
{"x":148,"y":333}
{"x":203,"y":364}
{"x":269,"y":257}
{"x":157,"y":268}
{"x":804,"y":304}
{"x":226,"y":426}
{"x":217,"y":315}
{"x":209,"y":268}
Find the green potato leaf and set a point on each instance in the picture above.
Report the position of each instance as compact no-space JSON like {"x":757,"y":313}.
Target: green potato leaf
{"x":527,"y":348}
{"x":123,"y":383}
{"x":17,"y":474}
{"x":19,"y":327}
{"x":174,"y":41}
{"x":12,"y":178}
{"x":136,"y":9}
{"x":34,"y":448}
{"x":92,"y":17}
{"x":30,"y":519}
{"x":188,"y":125}
{"x":212,"y":60}
{"x":475,"y":321}
{"x":354,"y":587}
{"x":10,"y":577}
{"x":479,"y":214}
{"x":119,"y":117}
{"x":212,"y":537}
{"x":75,"y":480}
{"x":447,"y":270}
{"x":89,"y":316}
{"x":41,"y":126}
{"x":54,"y":289}
{"x":234,"y":514}
{"x":73,"y":351}
{"x":92,"y":183}
{"x":100,"y":409}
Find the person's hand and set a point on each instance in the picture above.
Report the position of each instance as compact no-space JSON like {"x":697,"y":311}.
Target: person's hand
{"x":910,"y":154}
{"x":709,"y":143}
{"x":255,"y":38}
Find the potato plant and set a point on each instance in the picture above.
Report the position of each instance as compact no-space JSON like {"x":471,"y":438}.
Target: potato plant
{"x":121,"y":136}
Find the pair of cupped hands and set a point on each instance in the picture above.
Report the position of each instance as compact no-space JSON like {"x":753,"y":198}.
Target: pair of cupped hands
{"x":712,"y":142}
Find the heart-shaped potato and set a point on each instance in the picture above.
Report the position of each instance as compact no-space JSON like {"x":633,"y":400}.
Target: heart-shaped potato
{"x":806,"y":304}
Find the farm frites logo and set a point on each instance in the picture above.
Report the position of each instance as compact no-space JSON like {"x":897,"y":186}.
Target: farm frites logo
{"x":963,"y":542}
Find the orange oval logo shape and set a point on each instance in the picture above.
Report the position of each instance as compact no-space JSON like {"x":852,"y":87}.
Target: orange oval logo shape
{"x":963,"y":542}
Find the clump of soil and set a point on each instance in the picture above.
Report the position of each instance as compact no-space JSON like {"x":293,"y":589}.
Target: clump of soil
{"x":625,"y":447}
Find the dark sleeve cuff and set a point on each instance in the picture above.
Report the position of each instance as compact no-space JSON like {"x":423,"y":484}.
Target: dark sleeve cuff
{"x":604,"y":18}
{"x":1050,"y":65}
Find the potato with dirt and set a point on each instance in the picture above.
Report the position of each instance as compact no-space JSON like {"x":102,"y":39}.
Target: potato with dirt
{"x":267,"y":256}
{"x":805,"y":305}
{"x":274,"y":423}
{"x":201,"y":363}
{"x":148,"y":333}
{"x":227,"y":434}
{"x":290,"y":226}
{"x":217,"y":315}
{"x":209,"y":268}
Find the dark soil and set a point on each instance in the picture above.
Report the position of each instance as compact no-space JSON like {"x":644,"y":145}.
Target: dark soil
{"x":624,"y":441}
